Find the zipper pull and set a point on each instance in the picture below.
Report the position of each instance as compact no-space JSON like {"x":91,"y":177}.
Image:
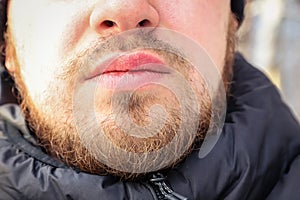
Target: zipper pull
{"x":168,"y":194}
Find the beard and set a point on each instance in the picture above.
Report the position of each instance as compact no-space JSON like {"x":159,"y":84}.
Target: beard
{"x":122,"y":133}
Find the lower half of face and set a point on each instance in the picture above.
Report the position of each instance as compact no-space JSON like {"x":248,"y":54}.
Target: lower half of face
{"x":124,"y":132}
{"x":127,"y":118}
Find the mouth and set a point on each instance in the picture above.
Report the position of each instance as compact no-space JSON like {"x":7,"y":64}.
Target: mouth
{"x":130,"y":71}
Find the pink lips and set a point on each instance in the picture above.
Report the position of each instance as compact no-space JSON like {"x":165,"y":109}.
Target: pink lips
{"x":129,"y":71}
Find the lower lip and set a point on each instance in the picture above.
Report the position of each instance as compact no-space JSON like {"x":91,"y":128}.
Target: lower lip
{"x":131,"y":80}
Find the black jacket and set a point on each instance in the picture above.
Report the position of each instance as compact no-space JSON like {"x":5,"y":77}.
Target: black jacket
{"x":257,"y":156}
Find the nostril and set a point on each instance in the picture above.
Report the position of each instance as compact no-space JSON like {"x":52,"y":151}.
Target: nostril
{"x":144,"y":23}
{"x":108,"y":23}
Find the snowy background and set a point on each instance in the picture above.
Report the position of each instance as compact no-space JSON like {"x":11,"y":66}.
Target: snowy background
{"x":270,"y":40}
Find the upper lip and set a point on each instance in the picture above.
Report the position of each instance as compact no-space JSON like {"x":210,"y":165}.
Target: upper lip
{"x":130,"y":62}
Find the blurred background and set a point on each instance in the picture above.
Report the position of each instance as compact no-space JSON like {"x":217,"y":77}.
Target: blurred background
{"x":270,"y":39}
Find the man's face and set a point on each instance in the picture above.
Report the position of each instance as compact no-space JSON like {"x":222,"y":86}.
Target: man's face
{"x":55,"y":50}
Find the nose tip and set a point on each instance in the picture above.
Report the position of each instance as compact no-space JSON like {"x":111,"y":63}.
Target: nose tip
{"x":121,"y":15}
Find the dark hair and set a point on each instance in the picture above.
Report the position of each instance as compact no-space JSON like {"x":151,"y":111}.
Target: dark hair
{"x":3,"y":18}
{"x":237,"y":7}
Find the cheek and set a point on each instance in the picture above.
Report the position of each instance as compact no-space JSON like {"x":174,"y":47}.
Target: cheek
{"x":40,"y":40}
{"x":205,"y":22}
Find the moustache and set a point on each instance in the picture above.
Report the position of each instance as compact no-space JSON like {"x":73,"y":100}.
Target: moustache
{"x":82,"y":64}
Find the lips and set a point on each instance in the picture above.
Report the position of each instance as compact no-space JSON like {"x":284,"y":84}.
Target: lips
{"x":129,"y":71}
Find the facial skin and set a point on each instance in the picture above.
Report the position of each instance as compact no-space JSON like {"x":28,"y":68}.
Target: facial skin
{"x":47,"y":42}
